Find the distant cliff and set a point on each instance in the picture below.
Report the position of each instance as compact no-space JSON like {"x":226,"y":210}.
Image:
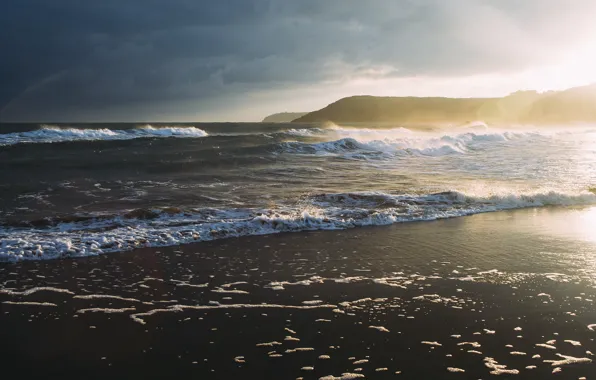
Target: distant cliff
{"x":572,"y":105}
{"x":284,"y":117}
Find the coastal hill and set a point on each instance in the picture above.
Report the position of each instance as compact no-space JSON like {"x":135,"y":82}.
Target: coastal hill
{"x":283,"y":117}
{"x":573,"y":105}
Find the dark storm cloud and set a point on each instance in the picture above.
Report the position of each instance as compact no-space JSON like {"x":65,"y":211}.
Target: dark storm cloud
{"x":64,"y":55}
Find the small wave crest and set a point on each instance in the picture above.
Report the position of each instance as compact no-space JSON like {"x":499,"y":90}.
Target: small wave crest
{"x":304,"y":132}
{"x":93,"y":235}
{"x":53,"y":134}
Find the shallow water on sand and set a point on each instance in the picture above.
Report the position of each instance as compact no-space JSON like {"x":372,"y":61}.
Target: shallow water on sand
{"x":509,"y":293}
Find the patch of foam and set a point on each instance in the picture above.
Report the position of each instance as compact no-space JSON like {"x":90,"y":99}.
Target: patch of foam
{"x":544,"y":345}
{"x":268,"y":344}
{"x":380,"y":328}
{"x":498,"y":369}
{"x":568,"y":360}
{"x":573,"y":342}
{"x":189,"y":285}
{"x":106,"y":310}
{"x":299,"y":349}
{"x":313,"y":302}
{"x":105,"y":296}
{"x":344,"y":376}
{"x":233,"y":284}
{"x":473,"y":344}
{"x":138,"y":317}
{"x":30,"y":303}
{"x":455,"y":370}
{"x":35,"y":290}
{"x":233,"y":291}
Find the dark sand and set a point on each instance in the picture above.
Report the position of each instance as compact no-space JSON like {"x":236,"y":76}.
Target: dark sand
{"x":495,"y":280}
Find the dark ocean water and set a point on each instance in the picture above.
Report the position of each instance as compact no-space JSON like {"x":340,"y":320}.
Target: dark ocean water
{"x":506,"y":293}
{"x":86,"y":189}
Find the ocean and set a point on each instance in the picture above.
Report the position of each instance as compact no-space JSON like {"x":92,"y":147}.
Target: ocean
{"x":290,"y":251}
{"x":73,"y":190}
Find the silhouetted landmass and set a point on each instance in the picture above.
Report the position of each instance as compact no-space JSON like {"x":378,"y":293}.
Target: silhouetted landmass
{"x":283,"y":117}
{"x":573,"y":105}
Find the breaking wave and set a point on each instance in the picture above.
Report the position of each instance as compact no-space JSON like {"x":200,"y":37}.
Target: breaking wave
{"x":364,"y":143}
{"x":53,"y":134}
{"x":88,"y":235}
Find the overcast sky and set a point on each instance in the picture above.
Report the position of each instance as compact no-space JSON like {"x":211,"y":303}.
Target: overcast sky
{"x":195,"y":60}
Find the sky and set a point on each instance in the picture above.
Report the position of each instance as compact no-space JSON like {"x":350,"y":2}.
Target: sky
{"x":240,"y":60}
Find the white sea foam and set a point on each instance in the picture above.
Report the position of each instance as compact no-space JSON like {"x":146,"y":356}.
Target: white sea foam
{"x":323,"y":212}
{"x":573,"y":342}
{"x":306,"y":132}
{"x":544,"y":345}
{"x":366,"y":143}
{"x":35,"y":290}
{"x":269,"y":344}
{"x":239,"y":359}
{"x":105,"y":296}
{"x":567,"y":360}
{"x":53,"y":134}
{"x":351,"y":148}
{"x":432,"y":343}
{"x":498,"y":369}
{"x":30,"y":303}
{"x":380,"y":328}
{"x":106,"y":310}
{"x":344,"y":376}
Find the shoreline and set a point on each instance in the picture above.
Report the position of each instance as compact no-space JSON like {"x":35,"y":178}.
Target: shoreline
{"x":421,"y":299}
{"x":270,"y":224}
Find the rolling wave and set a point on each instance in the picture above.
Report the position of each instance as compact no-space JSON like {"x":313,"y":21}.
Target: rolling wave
{"x":365,"y":143}
{"x":53,"y":134}
{"x":88,"y":235}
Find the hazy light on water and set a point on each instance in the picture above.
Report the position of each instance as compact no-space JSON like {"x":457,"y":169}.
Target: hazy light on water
{"x":586,"y":224}
{"x":572,"y":226}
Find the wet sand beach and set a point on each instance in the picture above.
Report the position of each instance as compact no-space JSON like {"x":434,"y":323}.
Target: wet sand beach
{"x":509,"y":293}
